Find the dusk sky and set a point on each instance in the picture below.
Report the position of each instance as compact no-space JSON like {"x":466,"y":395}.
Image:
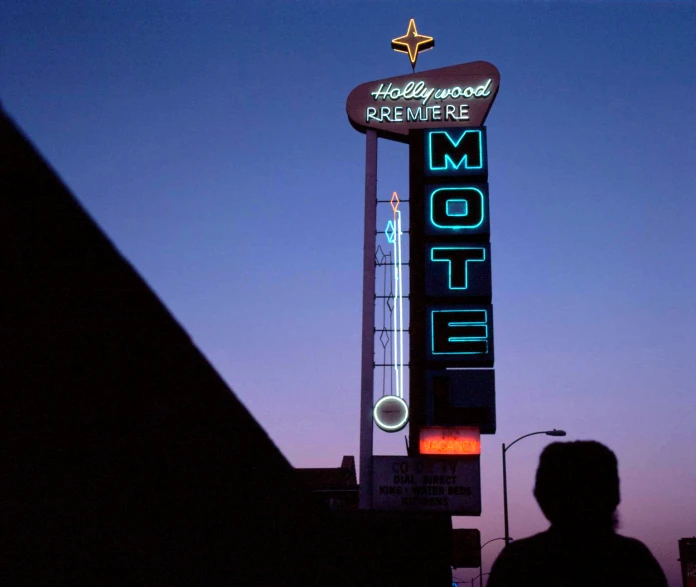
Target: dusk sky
{"x":210,"y":142}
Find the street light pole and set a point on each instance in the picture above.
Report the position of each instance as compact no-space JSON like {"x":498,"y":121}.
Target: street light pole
{"x":553,"y":432}
{"x":505,"y":504}
{"x":481,"y":576}
{"x":481,"y":559}
{"x":457,"y":582}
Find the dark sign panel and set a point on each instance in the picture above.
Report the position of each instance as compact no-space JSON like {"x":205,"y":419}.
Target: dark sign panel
{"x":687,"y":556}
{"x":460,"y":397}
{"x":428,"y":484}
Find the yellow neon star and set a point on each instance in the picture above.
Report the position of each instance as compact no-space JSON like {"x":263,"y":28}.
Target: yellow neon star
{"x":412,"y":43}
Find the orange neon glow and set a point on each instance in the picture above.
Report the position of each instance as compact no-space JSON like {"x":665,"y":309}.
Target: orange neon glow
{"x":395,"y":202}
{"x":450,"y":446}
{"x":450,"y":441}
{"x":412,"y":43}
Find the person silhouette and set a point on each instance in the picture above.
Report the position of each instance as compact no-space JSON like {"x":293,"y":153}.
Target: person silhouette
{"x":577,"y":489}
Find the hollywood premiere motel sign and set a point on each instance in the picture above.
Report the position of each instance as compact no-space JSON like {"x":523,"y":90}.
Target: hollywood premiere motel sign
{"x":440,"y":114}
{"x":456,"y":96}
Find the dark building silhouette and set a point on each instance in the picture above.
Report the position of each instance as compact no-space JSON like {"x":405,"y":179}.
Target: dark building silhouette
{"x":336,"y":488}
{"x":124,"y":457}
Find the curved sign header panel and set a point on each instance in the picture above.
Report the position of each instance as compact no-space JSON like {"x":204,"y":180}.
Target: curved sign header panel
{"x":459,"y":95}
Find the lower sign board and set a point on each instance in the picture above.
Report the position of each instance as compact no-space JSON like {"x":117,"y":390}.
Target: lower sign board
{"x":449,"y":485}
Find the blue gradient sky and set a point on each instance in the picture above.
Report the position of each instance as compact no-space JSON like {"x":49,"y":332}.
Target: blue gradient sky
{"x":212,"y":146}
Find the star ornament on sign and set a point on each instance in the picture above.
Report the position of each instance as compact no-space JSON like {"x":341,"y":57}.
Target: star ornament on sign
{"x":412,"y":43}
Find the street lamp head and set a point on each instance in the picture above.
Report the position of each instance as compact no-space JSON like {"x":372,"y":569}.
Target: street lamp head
{"x":555,"y":432}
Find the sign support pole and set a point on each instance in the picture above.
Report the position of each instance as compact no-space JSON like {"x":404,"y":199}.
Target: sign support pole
{"x":368,"y":321}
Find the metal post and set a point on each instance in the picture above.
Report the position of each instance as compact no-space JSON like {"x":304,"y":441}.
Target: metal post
{"x":368,"y":321}
{"x":481,"y":573}
{"x":505,"y":503}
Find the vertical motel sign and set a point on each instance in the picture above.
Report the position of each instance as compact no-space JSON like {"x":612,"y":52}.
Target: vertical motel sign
{"x":440,"y":114}
{"x":452,"y":343}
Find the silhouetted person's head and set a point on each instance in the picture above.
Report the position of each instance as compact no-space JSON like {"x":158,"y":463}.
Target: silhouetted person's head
{"x":577,"y":485}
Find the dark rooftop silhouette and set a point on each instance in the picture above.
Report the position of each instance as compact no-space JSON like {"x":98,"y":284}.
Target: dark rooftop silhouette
{"x":125,"y":457}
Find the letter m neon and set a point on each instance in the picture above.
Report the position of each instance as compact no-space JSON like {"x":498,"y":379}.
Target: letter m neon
{"x":448,"y":150}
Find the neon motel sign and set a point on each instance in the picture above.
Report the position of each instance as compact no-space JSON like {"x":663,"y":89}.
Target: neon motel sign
{"x":459,"y":95}
{"x":440,"y":114}
{"x":450,"y":441}
{"x":422,"y":95}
